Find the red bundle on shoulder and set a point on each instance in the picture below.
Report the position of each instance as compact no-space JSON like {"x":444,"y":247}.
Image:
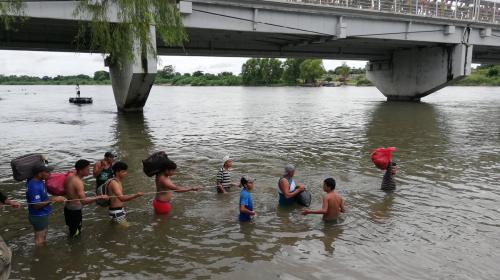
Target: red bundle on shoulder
{"x":382,"y":156}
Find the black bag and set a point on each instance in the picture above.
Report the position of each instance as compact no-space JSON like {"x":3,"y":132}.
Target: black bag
{"x":154,"y":164}
{"x":103,"y":190}
{"x":22,"y":167}
{"x":304,"y":198}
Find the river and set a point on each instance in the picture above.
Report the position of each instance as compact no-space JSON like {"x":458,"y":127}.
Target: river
{"x":443,"y":222}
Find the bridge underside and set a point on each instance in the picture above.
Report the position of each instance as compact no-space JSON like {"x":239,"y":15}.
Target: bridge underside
{"x":60,"y":35}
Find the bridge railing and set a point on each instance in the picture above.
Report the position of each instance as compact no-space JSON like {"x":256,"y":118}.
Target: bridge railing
{"x":466,"y":10}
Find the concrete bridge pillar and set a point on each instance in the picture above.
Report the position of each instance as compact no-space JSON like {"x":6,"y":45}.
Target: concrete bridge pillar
{"x":132,"y":81}
{"x":413,"y":73}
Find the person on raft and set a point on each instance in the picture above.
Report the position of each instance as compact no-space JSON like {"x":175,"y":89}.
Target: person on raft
{"x":388,"y":182}
{"x":102,"y":170}
{"x":76,"y":199}
{"x":224,"y":183}
{"x":117,"y":198}
{"x":39,"y":202}
{"x":165,"y":187}
{"x":333,"y":204}
{"x":246,"y":203}
{"x":78,"y":90}
{"x":288,"y":189}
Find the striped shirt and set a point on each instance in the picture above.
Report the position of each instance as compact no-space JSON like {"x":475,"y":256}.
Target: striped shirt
{"x":224,"y":178}
{"x":388,"y":183}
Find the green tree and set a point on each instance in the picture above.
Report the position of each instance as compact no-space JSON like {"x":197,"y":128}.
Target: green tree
{"x":250,"y":72}
{"x":270,"y":70}
{"x":492,"y":72}
{"x":343,"y":71}
{"x":291,"y":70}
{"x":101,"y":76}
{"x":311,"y":70}
{"x":198,"y":74}
{"x":167,"y":72}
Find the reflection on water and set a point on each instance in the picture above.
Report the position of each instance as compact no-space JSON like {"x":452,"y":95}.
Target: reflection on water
{"x":445,"y":206}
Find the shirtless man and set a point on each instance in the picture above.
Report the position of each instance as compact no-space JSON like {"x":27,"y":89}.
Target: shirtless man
{"x":333,"y":204}
{"x":164,"y":187}
{"x":115,"y":191}
{"x":75,"y":195}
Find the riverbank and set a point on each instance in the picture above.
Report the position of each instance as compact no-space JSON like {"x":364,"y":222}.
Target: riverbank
{"x":487,"y":75}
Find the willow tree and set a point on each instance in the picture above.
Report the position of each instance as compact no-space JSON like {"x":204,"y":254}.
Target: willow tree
{"x":113,"y":27}
{"x":10,"y":10}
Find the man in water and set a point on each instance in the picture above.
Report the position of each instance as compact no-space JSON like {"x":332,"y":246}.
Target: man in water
{"x":288,"y":189}
{"x":5,"y":253}
{"x":103,"y":169}
{"x":333,"y":204}
{"x":75,"y":191}
{"x":388,"y":182}
{"x":224,"y":176}
{"x":115,"y":191}
{"x":39,"y":202}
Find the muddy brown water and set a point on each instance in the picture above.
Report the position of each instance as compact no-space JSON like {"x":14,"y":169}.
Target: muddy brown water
{"x":443,"y":222}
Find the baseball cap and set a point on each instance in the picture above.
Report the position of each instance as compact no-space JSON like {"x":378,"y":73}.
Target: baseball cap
{"x":226,"y":158}
{"x":41,"y":167}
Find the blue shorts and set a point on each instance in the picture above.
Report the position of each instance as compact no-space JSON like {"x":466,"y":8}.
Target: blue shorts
{"x":39,"y":223}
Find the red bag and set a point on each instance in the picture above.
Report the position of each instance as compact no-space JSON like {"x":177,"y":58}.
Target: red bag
{"x":382,"y":156}
{"x":55,"y":182}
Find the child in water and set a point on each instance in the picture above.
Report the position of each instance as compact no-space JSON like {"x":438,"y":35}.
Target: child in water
{"x":333,"y":204}
{"x":165,"y":187}
{"x":246,"y":204}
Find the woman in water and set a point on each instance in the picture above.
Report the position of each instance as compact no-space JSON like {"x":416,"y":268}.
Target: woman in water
{"x":165,"y":187}
{"x":246,"y":203}
{"x":288,"y":189}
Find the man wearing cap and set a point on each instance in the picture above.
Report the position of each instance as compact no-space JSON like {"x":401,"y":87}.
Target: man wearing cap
{"x":39,"y":207}
{"x":103,"y":170}
{"x":288,"y":189}
{"x":224,"y":176}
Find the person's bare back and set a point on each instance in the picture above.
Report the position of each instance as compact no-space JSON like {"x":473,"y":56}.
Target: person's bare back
{"x":335,"y":206}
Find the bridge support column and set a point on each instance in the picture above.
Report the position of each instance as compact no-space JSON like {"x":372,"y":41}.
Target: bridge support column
{"x":417,"y":72}
{"x":132,"y":81}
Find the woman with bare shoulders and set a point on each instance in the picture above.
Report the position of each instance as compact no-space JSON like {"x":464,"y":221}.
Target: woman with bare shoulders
{"x":165,"y":187}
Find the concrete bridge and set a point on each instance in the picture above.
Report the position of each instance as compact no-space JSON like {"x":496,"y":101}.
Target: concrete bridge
{"x":414,"y":47}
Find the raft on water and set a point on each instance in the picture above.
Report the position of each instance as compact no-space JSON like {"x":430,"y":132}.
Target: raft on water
{"x":80,"y":100}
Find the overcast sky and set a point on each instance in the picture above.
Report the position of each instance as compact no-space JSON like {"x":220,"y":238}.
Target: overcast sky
{"x":53,"y":63}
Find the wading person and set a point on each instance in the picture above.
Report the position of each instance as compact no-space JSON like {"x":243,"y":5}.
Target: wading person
{"x":246,"y":203}
{"x":224,"y":183}
{"x":288,"y":189}
{"x":39,"y":203}
{"x":333,"y":204}
{"x":75,"y":194}
{"x":388,"y":182}
{"x":165,"y":187}
{"x":103,"y":169}
{"x":5,"y":253}
{"x":117,"y":198}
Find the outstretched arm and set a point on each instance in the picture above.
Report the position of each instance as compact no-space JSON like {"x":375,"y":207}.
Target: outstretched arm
{"x":171,"y":186}
{"x":117,"y":191}
{"x":323,"y":210}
